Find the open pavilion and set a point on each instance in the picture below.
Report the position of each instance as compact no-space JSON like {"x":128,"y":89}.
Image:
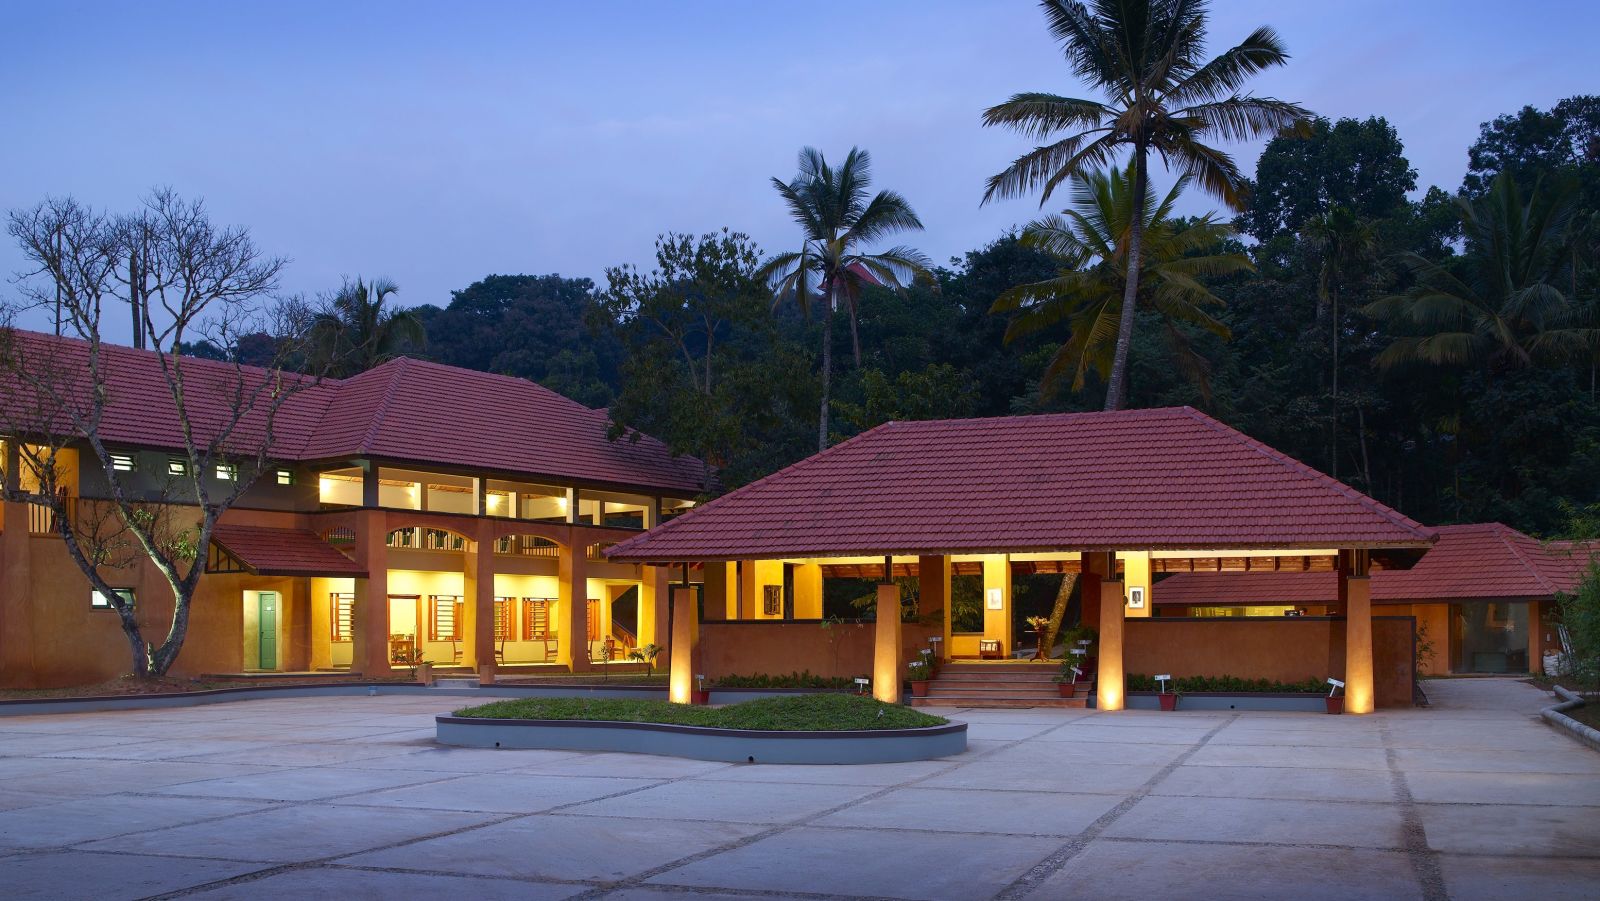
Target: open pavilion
{"x":1112,"y":497}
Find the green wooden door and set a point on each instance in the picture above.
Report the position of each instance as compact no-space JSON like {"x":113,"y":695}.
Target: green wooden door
{"x":268,"y":601}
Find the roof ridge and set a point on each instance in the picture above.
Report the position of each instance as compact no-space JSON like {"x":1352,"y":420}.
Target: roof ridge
{"x":382,"y":408}
{"x":1283,"y":459}
{"x":667,"y":527}
{"x":1500,"y":531}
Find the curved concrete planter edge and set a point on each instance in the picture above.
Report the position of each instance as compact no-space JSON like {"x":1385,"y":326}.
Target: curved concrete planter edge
{"x":1556,"y":716}
{"x":707,"y":743}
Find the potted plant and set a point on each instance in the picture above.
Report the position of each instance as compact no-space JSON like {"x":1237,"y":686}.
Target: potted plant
{"x":646,"y":655}
{"x":1335,"y":701}
{"x":1039,"y":624}
{"x":920,"y":671}
{"x":1069,"y":677}
{"x":700,"y":694}
{"x":1168,"y":699}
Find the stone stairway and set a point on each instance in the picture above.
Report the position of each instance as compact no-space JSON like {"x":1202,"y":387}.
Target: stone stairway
{"x":1019,"y":684}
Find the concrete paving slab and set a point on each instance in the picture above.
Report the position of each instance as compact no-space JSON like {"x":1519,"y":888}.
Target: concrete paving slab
{"x":1351,"y":824}
{"x":1504,"y":788}
{"x":1483,"y":878}
{"x":732,"y":802}
{"x":1510,"y":829}
{"x":1070,"y":753}
{"x":866,"y":774}
{"x":70,"y":822}
{"x":14,"y":800}
{"x":441,"y":759}
{"x":107,"y":877}
{"x":289,"y":754}
{"x":93,"y":778}
{"x":1288,"y":783}
{"x":560,"y":847}
{"x":336,"y":884}
{"x":595,"y":762}
{"x":502,"y":792}
{"x":303,"y":832}
{"x":1316,"y":757}
{"x":885,"y":864}
{"x":1033,"y":769}
{"x":1562,"y":759}
{"x":1138,"y":871}
{"x":299,"y":784}
{"x":1095,"y":732}
{"x":976,"y":810}
{"x":1005,"y":731}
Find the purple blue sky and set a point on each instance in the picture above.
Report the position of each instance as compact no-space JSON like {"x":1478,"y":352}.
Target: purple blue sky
{"x":437,"y":143}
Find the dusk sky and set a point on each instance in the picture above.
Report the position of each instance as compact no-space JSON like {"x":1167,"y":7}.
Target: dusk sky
{"x":438,"y":143}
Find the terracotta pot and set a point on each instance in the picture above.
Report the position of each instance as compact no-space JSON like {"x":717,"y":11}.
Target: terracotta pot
{"x":697,"y":696}
{"x":1335,"y":705}
{"x":919,"y":689}
{"x":1168,"y":700}
{"x":1067,"y":689}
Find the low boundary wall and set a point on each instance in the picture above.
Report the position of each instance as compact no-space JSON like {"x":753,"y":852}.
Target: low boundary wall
{"x":1282,"y":649}
{"x":779,"y":647}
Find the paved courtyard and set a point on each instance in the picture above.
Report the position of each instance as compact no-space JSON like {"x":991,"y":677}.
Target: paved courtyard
{"x":349,"y":798}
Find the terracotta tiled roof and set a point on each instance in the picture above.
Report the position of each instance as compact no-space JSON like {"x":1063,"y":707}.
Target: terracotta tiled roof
{"x":1168,"y":478}
{"x":1483,"y":561}
{"x":284,"y":552}
{"x":406,"y":410}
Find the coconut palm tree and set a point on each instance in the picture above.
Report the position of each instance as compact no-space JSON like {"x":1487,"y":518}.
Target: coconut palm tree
{"x":353,"y":332}
{"x":1164,"y":98}
{"x":1091,"y":239}
{"x":838,"y":217}
{"x":1347,"y":242}
{"x":1501,"y":303}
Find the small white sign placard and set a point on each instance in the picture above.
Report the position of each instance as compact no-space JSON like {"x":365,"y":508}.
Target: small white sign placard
{"x":994,"y":599}
{"x":1136,"y":597}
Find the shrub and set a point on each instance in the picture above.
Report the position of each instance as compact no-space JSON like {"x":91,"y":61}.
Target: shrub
{"x":802,"y":679}
{"x":1187,"y":684}
{"x":1580,"y":611}
{"x":808,"y":713}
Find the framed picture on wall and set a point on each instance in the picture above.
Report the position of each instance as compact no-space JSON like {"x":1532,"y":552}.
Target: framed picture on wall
{"x":1136,"y":597}
{"x":772,"y":600}
{"x":994,"y":599}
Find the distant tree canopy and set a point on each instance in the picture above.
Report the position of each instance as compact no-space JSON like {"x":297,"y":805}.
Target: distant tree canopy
{"x":532,"y":326}
{"x":1334,"y":226}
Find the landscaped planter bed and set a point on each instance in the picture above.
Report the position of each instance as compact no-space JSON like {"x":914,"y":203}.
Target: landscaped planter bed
{"x":801,"y":730}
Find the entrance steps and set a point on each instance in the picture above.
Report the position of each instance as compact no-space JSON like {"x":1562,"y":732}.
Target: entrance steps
{"x":456,"y":683}
{"x":1021,"y":684}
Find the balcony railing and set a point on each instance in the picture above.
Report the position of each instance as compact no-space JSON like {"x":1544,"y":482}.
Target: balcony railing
{"x":43,"y":519}
{"x":527,"y":546}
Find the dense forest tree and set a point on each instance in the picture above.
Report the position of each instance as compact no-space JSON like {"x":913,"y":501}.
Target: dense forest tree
{"x":354,"y":331}
{"x":1164,"y":98}
{"x":838,"y":217}
{"x":532,"y":326}
{"x":1343,"y":226}
{"x":1089,"y":241}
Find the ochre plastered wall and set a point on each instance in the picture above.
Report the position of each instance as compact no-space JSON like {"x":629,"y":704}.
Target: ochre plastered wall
{"x":1284,"y":650}
{"x":777,"y":648}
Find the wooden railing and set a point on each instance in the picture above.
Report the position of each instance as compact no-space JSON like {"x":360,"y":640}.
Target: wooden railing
{"x":526,"y":546}
{"x":42,"y":518}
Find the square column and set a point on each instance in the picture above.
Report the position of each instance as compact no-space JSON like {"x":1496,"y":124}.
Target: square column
{"x":1101,"y":584}
{"x":685,"y":637}
{"x":16,"y":592}
{"x":1355,"y":593}
{"x":480,"y":602}
{"x":369,"y":627}
{"x":997,"y":578}
{"x":572,"y":619}
{"x":655,"y":599}
{"x":933,"y":588}
{"x":887,"y":672}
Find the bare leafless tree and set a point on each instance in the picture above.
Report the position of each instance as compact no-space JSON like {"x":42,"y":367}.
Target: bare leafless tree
{"x":183,"y":279}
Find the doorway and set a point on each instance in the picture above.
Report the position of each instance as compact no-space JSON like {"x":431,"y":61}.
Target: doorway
{"x":267,"y":630}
